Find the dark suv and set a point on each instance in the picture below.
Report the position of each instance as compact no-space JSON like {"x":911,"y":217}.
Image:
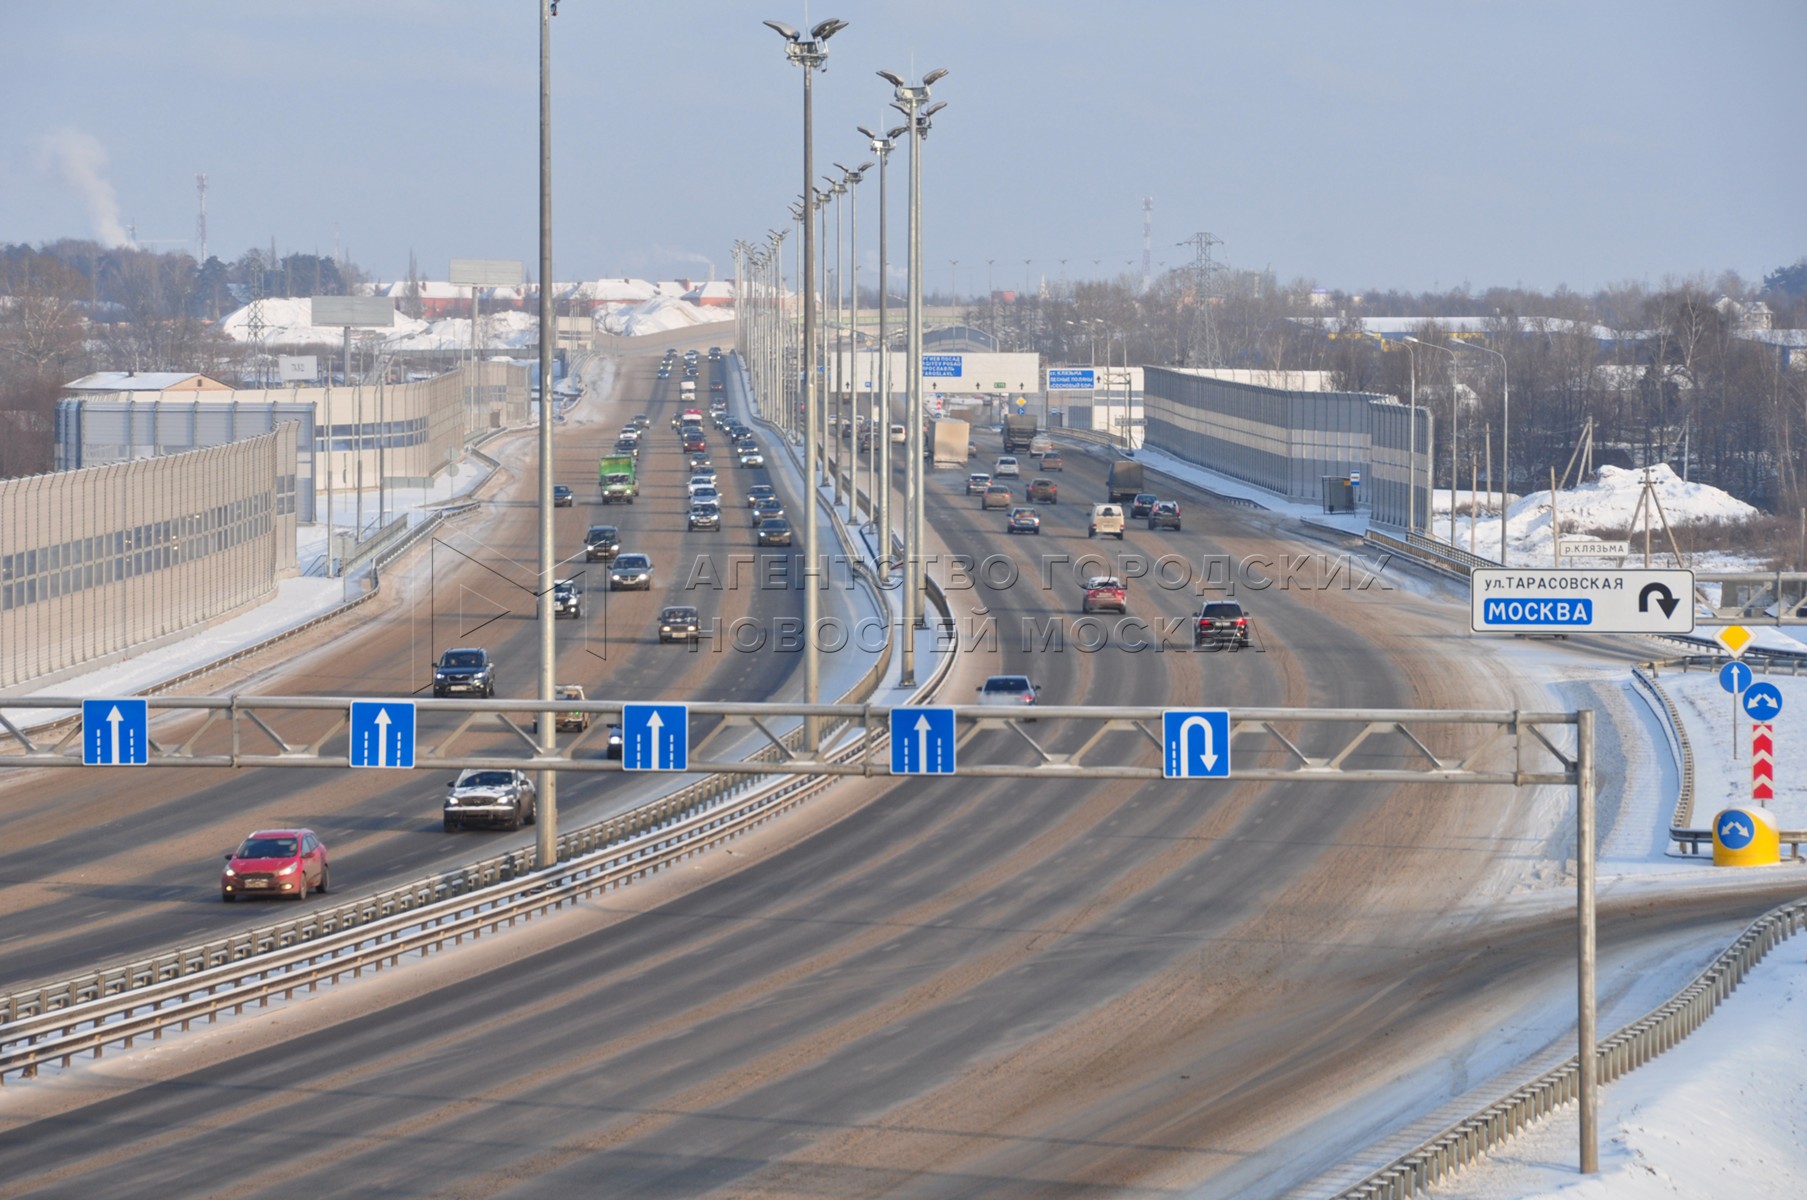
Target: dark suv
{"x":602,"y":543}
{"x":1141,"y":506}
{"x":1221,"y":625}
{"x":1164,"y":515}
{"x":465,"y":670}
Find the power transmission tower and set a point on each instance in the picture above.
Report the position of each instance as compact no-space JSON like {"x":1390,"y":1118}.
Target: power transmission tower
{"x":1202,"y":348}
{"x":255,"y":329}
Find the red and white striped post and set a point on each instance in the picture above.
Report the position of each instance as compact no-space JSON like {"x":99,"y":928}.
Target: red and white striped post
{"x":1763,"y":762}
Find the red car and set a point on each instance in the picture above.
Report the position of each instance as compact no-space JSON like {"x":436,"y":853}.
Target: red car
{"x":1104,"y":591}
{"x":276,"y":862}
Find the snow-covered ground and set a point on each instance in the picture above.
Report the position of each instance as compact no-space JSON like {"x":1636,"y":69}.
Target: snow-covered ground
{"x":288,"y":321}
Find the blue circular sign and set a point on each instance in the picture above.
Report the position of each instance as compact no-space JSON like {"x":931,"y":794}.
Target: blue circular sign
{"x":1735,"y":829}
{"x":1763,"y":702}
{"x":1734,"y":677}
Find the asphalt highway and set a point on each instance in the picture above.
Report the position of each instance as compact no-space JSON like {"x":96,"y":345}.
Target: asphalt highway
{"x":968,"y":987}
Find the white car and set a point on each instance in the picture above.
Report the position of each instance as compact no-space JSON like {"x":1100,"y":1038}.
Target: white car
{"x":705,"y":495}
{"x":704,"y":482}
{"x":1007,"y":691}
{"x":1006,"y":468}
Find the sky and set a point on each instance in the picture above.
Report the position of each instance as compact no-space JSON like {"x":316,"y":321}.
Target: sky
{"x":1393,"y":145}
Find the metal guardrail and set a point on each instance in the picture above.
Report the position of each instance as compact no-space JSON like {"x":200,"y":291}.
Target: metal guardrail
{"x":1400,"y":546}
{"x":1678,"y":740}
{"x":1448,"y":1152}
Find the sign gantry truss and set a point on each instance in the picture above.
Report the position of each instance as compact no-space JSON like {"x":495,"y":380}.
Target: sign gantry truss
{"x":1357,"y":745}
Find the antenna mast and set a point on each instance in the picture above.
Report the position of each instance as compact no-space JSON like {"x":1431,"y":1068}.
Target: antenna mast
{"x":201,"y":220}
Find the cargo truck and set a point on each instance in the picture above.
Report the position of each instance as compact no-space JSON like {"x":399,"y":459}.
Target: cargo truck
{"x":950,"y":440}
{"x":1125,"y":481}
{"x":1019,"y":432}
{"x":615,"y":476}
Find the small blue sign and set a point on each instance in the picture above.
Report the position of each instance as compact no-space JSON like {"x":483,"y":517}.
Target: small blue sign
{"x":1196,"y":743}
{"x":1518,"y":611}
{"x":1735,"y":829}
{"x":116,"y":733}
{"x":1763,"y":702}
{"x":1079,"y":378}
{"x":922,"y":741}
{"x":382,"y":733}
{"x":1734,"y":677}
{"x":941,"y":366}
{"x":655,"y":737}
{"x":1355,"y":479}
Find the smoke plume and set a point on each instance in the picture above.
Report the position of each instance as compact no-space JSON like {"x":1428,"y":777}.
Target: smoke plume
{"x":80,"y":160}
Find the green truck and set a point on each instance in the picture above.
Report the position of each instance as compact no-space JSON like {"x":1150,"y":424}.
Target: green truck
{"x":615,"y":476}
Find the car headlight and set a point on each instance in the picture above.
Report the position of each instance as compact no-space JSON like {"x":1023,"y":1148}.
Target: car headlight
{"x":290,"y":869}
{"x":231,"y":874}
{"x":439,"y":674}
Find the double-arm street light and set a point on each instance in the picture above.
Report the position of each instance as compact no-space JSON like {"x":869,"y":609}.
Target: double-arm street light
{"x":882,"y":145}
{"x":835,"y":190}
{"x":1505,"y":437}
{"x":809,"y":53}
{"x":913,"y":101}
{"x":851,"y":176}
{"x":546,"y":841}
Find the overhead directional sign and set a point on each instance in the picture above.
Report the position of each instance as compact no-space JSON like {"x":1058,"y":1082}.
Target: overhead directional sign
{"x":1734,"y":677}
{"x":1074,"y":378}
{"x":1514,"y":600}
{"x":1195,"y":743}
{"x":655,"y":737}
{"x":382,"y":733}
{"x":941,"y":366}
{"x":922,"y":741}
{"x":116,"y":733}
{"x":1763,"y":702}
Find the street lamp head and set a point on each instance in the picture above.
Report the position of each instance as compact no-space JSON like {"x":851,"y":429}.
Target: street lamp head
{"x":890,"y":77}
{"x":784,"y":31}
{"x":932,"y":109}
{"x":894,"y":134}
{"x":826,"y":29}
{"x":932,"y":76}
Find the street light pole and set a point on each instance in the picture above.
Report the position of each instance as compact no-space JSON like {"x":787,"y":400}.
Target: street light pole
{"x":809,"y":55}
{"x":912,"y":101}
{"x":852,"y":176}
{"x":836,"y":188}
{"x":882,"y":145}
{"x":1505,"y":438}
{"x":546,"y":785}
{"x":1454,"y":424}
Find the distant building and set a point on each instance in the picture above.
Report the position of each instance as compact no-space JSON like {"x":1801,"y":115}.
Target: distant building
{"x":717,"y":293}
{"x":171,"y":385}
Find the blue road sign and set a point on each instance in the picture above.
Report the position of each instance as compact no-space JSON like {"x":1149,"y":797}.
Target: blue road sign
{"x":116,"y":733}
{"x":1355,"y":479}
{"x":1735,"y":830}
{"x":922,"y":741}
{"x":382,"y":733}
{"x":942,"y":366}
{"x":1763,"y":702}
{"x":1734,"y":677}
{"x":1196,"y":743}
{"x":1079,"y":378}
{"x":655,"y":737}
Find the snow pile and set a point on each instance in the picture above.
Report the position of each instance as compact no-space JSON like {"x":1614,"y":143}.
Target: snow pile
{"x":288,"y":321}
{"x":1607,"y":506}
{"x":661,"y":315}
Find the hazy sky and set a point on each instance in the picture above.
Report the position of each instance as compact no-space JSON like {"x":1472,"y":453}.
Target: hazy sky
{"x":1358,"y":145}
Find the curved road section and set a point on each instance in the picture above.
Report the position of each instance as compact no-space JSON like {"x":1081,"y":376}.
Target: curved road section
{"x":966,"y":987}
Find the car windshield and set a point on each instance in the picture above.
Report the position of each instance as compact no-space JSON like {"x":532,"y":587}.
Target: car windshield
{"x":1006,"y":684}
{"x":631,"y":562}
{"x":1104,"y":581}
{"x":774,"y":524}
{"x":570,"y":693}
{"x":1223,"y":610}
{"x":678,"y":614}
{"x":464,"y":658}
{"x":267,"y":847}
{"x":484,"y":779}
{"x":564,"y":585}
{"x":602,"y":533}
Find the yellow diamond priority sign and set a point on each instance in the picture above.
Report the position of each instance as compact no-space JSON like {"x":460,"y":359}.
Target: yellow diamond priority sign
{"x":1734,"y":638}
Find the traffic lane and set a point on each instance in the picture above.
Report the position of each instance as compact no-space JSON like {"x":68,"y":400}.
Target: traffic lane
{"x":68,"y":878}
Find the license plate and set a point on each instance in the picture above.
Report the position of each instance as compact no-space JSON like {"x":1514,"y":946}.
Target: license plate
{"x":257,"y":883}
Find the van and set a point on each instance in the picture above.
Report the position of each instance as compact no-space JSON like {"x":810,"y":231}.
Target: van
{"x":686,"y":387}
{"x":1106,"y":519}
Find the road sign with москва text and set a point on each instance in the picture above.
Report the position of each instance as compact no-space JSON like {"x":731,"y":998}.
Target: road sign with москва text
{"x":1528,"y":600}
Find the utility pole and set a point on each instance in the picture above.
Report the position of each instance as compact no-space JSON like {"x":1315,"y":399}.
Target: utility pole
{"x":1202,"y":349}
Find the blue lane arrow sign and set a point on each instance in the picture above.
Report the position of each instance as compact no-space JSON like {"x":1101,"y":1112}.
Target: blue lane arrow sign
{"x":382,"y":733}
{"x":655,"y":737}
{"x":1734,"y":677}
{"x":922,"y":741}
{"x":115,"y":733}
{"x":1763,"y":702}
{"x":1195,"y":743}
